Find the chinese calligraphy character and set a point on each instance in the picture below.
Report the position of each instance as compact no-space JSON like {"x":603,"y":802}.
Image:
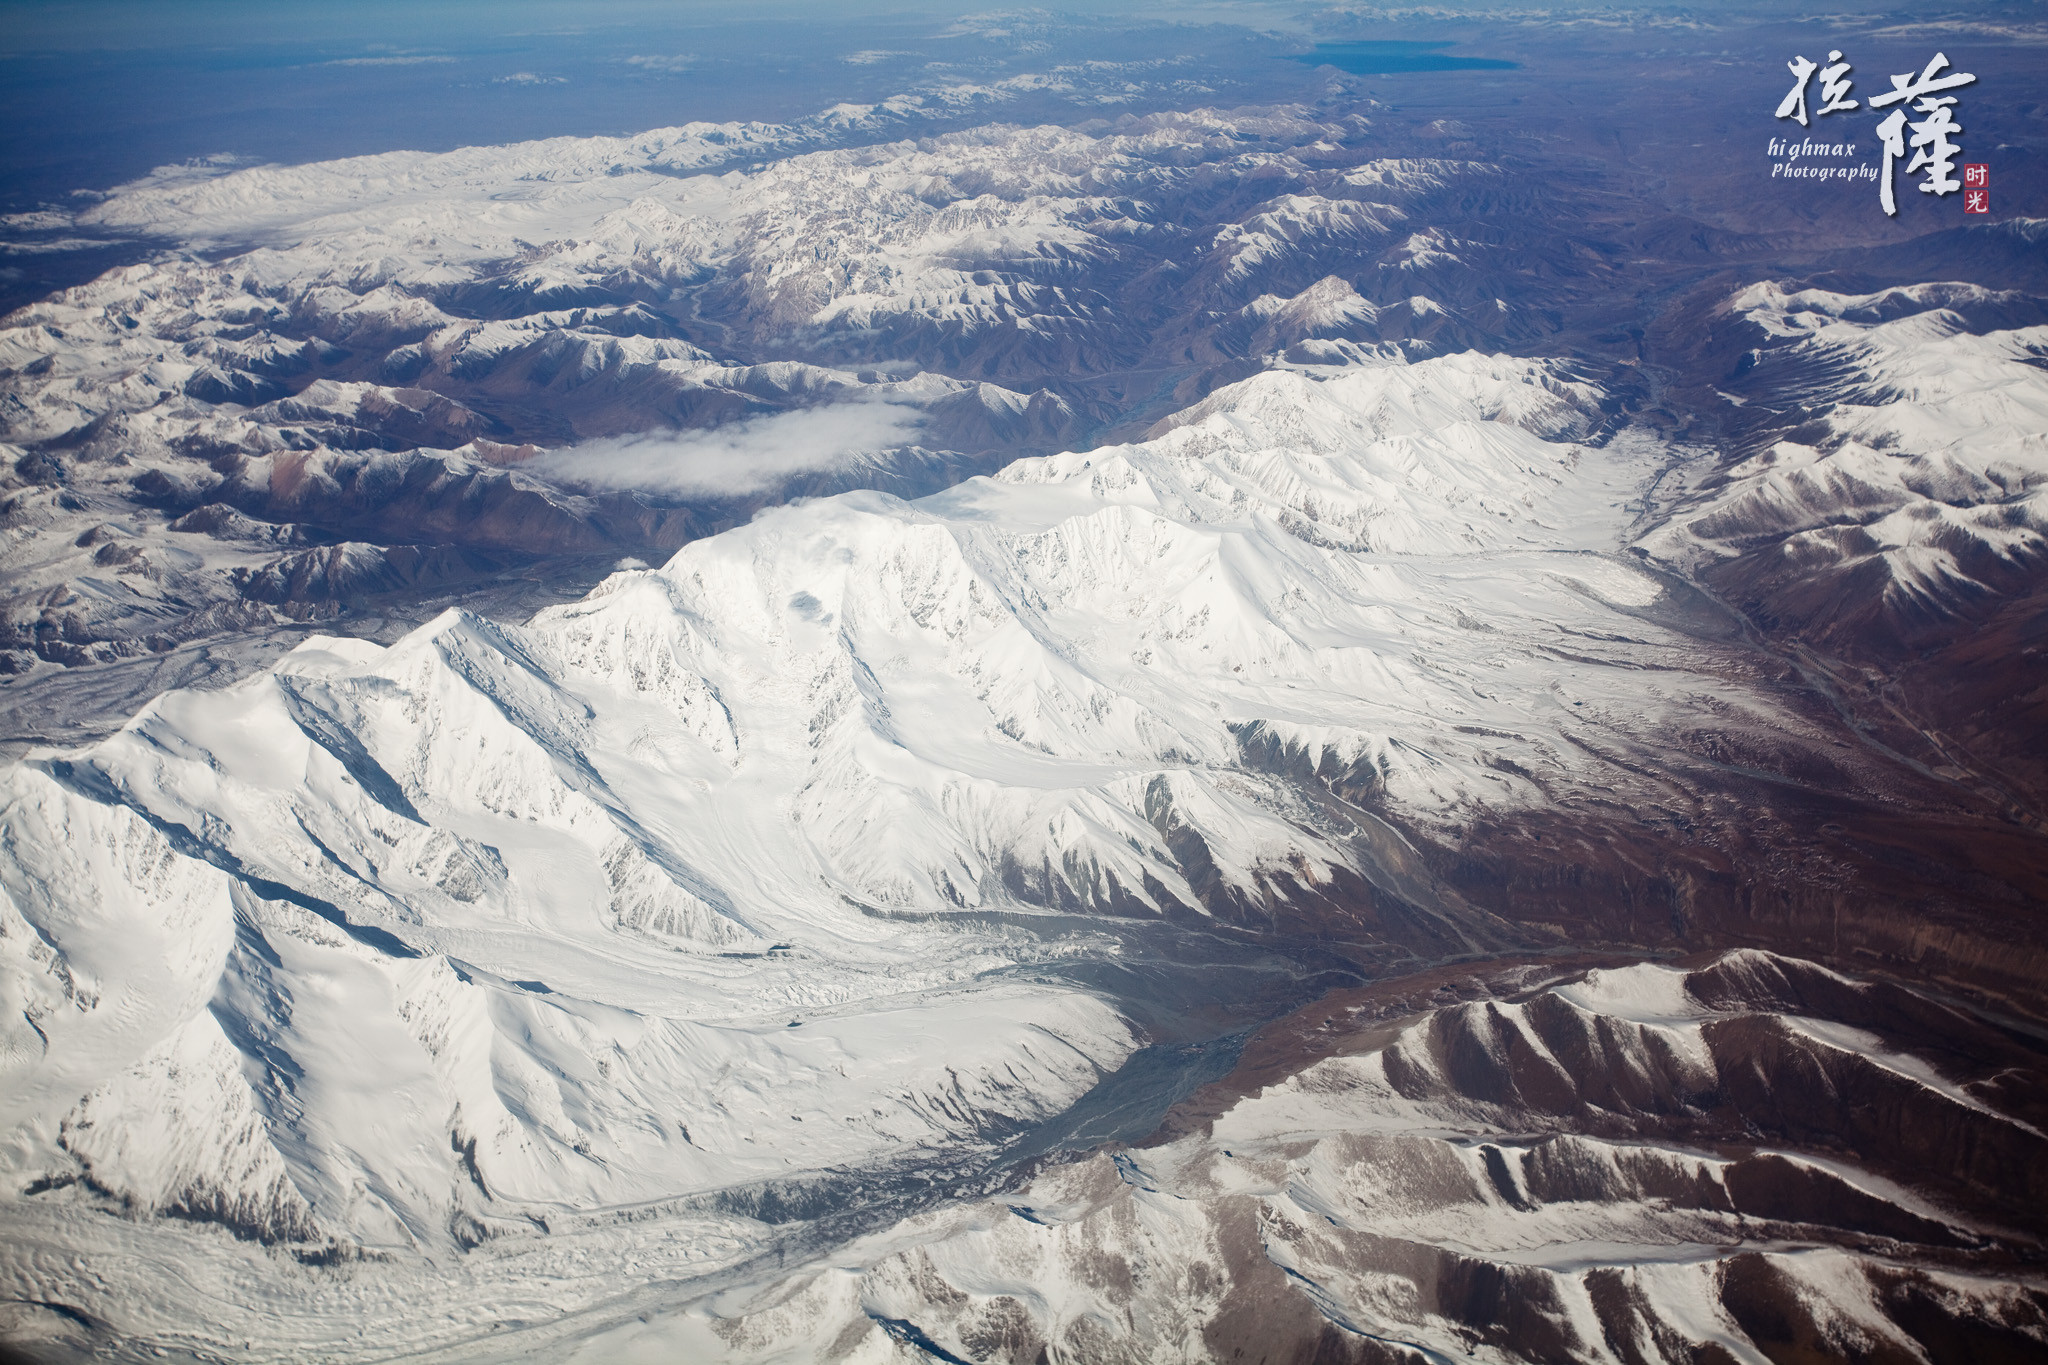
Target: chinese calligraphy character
{"x":1976,"y":201}
{"x":1933,"y":149}
{"x":1833,"y":88}
{"x":1892,"y":133}
{"x":1907,"y":88}
{"x":1793,"y":106}
{"x":1936,"y":152}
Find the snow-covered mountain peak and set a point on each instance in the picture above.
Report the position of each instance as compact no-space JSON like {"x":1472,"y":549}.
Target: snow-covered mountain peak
{"x":1328,"y":307}
{"x":1449,"y":453}
{"x":567,"y":877}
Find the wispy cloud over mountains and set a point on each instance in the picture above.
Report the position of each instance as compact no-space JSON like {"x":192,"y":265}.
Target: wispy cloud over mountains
{"x":741,"y":457}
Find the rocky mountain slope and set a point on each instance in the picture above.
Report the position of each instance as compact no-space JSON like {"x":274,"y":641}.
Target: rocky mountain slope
{"x":1879,"y":508}
{"x":1650,"y":1163}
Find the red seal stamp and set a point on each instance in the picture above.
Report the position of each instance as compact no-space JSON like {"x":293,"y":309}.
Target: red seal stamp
{"x":1976,"y":176}
{"x":1976,"y":201}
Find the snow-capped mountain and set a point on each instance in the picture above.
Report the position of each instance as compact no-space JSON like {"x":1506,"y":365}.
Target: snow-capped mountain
{"x":1877,"y":510}
{"x":405,"y":332}
{"x":749,"y":883}
{"x":955,"y":644}
{"x":598,"y":274}
{"x":1913,"y":487}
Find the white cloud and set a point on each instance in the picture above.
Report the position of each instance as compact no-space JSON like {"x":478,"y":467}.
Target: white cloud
{"x":528,"y":78}
{"x":747,"y":456}
{"x":681,"y":61}
{"x":873,"y":55}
